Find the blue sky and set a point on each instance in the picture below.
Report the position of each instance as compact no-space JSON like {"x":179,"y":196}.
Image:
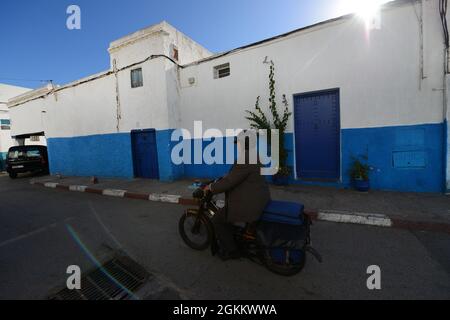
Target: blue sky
{"x":35,"y":43}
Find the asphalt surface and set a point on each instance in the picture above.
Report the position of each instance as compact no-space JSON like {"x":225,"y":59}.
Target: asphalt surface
{"x":36,"y":247}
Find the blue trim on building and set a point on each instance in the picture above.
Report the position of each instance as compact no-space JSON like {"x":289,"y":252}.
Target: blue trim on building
{"x":167,"y":170}
{"x":3,"y":160}
{"x":212,"y":171}
{"x":106,"y":155}
{"x":446,"y":160}
{"x":403,"y":158}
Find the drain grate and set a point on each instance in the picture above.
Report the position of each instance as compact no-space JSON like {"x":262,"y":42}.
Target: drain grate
{"x":116,"y":279}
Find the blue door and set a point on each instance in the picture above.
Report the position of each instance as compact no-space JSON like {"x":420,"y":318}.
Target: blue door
{"x":317,"y":135}
{"x":145,"y":155}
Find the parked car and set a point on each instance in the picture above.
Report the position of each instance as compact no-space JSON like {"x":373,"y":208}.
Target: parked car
{"x":26,"y":159}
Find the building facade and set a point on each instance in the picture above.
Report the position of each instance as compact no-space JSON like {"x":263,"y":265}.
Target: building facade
{"x":376,"y":92}
{"x":6,"y":141}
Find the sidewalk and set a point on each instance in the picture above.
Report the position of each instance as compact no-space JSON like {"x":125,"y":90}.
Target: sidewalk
{"x":388,"y":209}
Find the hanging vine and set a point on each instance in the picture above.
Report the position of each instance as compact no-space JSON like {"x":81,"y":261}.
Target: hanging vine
{"x":259,"y":120}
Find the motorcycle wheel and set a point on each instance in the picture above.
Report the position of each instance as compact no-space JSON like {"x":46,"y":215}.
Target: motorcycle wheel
{"x":197,"y":237}
{"x":283,"y":270}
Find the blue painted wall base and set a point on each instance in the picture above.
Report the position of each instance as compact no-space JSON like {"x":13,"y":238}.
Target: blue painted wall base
{"x":2,"y":160}
{"x":447,"y":156}
{"x":402,"y":158}
{"x":107,"y":155}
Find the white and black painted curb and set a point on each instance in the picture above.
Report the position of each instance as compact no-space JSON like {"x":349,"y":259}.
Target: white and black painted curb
{"x":370,"y":219}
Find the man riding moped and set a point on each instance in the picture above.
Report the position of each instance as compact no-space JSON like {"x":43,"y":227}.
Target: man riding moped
{"x":246,"y":195}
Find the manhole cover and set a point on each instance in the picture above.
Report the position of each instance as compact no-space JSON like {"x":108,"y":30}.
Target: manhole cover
{"x":117,"y":279}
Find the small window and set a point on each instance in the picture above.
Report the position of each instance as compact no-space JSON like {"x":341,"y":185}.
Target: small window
{"x":136,"y":78}
{"x":35,"y":138}
{"x":5,"y":124}
{"x":174,"y":53}
{"x":222,"y":71}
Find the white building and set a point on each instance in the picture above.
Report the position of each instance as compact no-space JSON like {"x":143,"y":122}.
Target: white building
{"x":6,"y":92}
{"x":378,"y":93}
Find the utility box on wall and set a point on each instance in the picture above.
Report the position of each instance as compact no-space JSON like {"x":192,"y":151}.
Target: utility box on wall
{"x":409,"y":159}
{"x":409,"y":150}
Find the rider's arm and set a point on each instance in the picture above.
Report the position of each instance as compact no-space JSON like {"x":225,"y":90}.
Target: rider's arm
{"x":231,"y":180}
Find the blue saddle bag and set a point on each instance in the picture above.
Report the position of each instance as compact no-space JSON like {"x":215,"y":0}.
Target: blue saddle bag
{"x":284,"y":232}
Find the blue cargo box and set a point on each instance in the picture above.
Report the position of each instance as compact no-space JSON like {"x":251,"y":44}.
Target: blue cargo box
{"x":284,"y":212}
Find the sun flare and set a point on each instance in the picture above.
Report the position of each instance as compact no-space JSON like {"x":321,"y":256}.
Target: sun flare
{"x":365,"y":9}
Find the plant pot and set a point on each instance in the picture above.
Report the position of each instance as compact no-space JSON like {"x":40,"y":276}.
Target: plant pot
{"x":361,"y":185}
{"x":280,"y":180}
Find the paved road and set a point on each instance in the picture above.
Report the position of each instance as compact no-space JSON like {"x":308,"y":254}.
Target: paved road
{"x":36,"y":247}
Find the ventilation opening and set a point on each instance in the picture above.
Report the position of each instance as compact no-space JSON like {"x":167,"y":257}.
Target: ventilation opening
{"x":222,"y":71}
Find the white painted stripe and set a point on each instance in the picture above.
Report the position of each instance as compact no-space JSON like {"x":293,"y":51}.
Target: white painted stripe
{"x":164,"y":198}
{"x":32,"y":233}
{"x":356,"y":218}
{"x":114,"y":193}
{"x":77,"y":188}
{"x":51,"y":184}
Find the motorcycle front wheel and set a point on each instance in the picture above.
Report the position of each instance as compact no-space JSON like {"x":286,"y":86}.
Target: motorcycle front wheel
{"x":196,"y":232}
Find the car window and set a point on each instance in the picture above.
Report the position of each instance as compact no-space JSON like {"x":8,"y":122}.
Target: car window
{"x":33,"y":153}
{"x":14,"y":154}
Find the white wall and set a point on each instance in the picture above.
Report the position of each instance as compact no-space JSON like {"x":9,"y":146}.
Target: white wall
{"x":188,"y":50}
{"x":5,"y":135}
{"x":42,"y":142}
{"x":155,"y":40}
{"x":28,"y":118}
{"x":379,"y":77}
{"x":7,"y":92}
{"x":89,"y":106}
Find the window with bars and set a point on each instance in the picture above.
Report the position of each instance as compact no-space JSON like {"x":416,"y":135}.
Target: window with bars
{"x":222,"y":71}
{"x":136,"y":78}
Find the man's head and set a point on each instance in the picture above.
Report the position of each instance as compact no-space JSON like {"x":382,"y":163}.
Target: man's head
{"x":246,"y":146}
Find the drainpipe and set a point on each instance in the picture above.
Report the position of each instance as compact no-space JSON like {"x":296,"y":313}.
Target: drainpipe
{"x":118,"y":108}
{"x":446,"y":111}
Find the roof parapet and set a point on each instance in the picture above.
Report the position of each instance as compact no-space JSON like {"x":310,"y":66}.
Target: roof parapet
{"x":28,"y":96}
{"x":138,"y":35}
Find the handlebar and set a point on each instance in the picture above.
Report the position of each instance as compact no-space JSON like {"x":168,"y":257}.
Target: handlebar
{"x":200,"y":193}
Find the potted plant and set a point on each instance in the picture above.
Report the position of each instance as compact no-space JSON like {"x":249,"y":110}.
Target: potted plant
{"x":282,"y":176}
{"x":258,"y":120}
{"x":359,"y":173}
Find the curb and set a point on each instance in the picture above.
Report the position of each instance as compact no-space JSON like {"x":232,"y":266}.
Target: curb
{"x":369,"y":219}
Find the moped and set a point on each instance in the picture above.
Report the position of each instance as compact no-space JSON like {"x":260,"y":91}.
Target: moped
{"x":280,"y":243}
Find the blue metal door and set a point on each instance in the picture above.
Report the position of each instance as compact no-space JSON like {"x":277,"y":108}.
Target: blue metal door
{"x":317,"y":135}
{"x":145,"y":155}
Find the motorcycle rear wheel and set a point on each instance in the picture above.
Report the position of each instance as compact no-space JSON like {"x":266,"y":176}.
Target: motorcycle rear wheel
{"x":283,"y":270}
{"x":199,"y":239}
